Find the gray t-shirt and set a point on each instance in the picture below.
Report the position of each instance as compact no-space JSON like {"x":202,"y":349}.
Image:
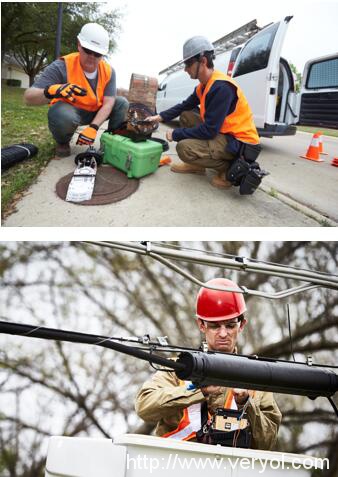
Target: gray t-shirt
{"x":56,"y":73}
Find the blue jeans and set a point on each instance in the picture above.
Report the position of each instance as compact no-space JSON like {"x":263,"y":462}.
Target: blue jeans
{"x":63,"y":118}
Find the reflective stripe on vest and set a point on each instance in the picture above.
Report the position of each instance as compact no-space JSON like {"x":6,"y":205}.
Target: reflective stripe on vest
{"x":191,"y":421}
{"x":230,"y":402}
{"x":240,"y":122}
{"x":75,"y":74}
{"x":188,"y":425}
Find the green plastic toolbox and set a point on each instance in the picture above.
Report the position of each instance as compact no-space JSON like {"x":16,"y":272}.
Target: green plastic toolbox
{"x":137,"y":159}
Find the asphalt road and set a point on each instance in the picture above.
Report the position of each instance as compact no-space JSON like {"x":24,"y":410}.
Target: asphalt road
{"x":314,"y":184}
{"x":166,"y":199}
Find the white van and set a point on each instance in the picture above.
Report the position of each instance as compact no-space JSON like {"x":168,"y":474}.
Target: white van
{"x":318,"y":99}
{"x":268,"y":84}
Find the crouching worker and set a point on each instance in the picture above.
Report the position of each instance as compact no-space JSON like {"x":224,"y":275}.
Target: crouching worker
{"x":81,"y":90}
{"x":185,"y":413}
{"x":221,"y":134}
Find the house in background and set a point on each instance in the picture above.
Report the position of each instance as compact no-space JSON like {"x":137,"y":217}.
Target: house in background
{"x":12,"y":70}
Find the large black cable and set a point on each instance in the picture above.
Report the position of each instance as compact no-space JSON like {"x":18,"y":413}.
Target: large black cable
{"x":205,"y":369}
{"x":18,"y":152}
{"x":155,"y":346}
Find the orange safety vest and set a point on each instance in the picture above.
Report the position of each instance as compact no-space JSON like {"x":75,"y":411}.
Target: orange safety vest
{"x":240,"y":122}
{"x":191,"y":421}
{"x":93,"y":100}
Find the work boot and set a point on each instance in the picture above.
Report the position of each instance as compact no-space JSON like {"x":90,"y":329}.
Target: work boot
{"x":62,"y":150}
{"x":220,"y":182}
{"x":188,"y":169}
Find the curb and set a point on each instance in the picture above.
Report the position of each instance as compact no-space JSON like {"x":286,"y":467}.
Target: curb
{"x":304,"y":209}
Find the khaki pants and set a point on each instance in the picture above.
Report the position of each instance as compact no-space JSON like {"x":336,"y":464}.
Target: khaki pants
{"x":201,"y":152}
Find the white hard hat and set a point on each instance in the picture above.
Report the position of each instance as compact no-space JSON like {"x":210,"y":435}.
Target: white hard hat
{"x":195,"y":46}
{"x":94,"y":37}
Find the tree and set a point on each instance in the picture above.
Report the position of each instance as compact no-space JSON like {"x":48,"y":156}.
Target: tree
{"x":297,"y":77}
{"x":76,"y":390}
{"x":29,"y":29}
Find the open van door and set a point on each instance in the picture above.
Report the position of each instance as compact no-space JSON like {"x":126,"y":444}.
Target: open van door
{"x":257,"y":72}
{"x":319,"y":92}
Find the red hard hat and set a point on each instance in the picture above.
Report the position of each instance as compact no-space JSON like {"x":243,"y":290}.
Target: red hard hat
{"x":216,"y":305}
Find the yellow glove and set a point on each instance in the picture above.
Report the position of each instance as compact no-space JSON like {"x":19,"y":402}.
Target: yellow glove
{"x":66,"y":91}
{"x":88,"y":135}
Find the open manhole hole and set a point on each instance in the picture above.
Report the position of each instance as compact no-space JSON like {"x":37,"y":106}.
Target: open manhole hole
{"x":111,"y":186}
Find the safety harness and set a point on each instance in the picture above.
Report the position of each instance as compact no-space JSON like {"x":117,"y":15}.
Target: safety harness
{"x":227,"y":427}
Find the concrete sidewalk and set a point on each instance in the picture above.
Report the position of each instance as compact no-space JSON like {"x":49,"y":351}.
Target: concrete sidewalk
{"x":166,"y":199}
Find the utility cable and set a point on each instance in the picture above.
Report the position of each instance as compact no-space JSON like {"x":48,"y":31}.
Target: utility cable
{"x":333,"y":405}
{"x":290,"y":336}
{"x":76,"y":337}
{"x":139,"y":343}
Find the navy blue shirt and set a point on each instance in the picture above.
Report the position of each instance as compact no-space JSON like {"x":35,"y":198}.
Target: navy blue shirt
{"x":220,"y":101}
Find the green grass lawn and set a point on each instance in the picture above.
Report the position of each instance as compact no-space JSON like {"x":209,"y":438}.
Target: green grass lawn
{"x":20,"y":123}
{"x":311,"y":129}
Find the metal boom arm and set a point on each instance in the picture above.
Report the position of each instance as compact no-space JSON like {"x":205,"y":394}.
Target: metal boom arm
{"x":162,"y":254}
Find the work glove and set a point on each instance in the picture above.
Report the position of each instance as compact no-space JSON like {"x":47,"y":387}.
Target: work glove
{"x":88,"y":135}
{"x":67,"y":91}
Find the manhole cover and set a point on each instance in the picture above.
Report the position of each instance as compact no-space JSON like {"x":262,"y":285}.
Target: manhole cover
{"x":111,"y":186}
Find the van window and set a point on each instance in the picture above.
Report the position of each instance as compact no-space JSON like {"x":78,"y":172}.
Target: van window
{"x":233,"y":58}
{"x":323,"y":74}
{"x":255,"y":54}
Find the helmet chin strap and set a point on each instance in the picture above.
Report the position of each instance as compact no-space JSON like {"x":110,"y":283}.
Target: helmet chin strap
{"x":198,"y":68}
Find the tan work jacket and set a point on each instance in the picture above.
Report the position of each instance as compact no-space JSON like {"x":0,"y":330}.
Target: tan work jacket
{"x":162,"y":399}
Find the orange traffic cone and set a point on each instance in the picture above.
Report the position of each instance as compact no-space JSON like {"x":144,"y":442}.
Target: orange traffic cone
{"x":334,"y":162}
{"x":313,"y":151}
{"x":321,"y":149}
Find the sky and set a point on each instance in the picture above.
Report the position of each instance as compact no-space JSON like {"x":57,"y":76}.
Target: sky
{"x":153,"y":32}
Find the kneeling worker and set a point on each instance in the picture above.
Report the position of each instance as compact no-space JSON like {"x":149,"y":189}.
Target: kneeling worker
{"x":223,"y":126}
{"x":178,"y":408}
{"x":81,"y":89}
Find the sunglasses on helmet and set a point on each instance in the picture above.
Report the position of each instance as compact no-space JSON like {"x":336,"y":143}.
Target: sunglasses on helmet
{"x":90,"y":52}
